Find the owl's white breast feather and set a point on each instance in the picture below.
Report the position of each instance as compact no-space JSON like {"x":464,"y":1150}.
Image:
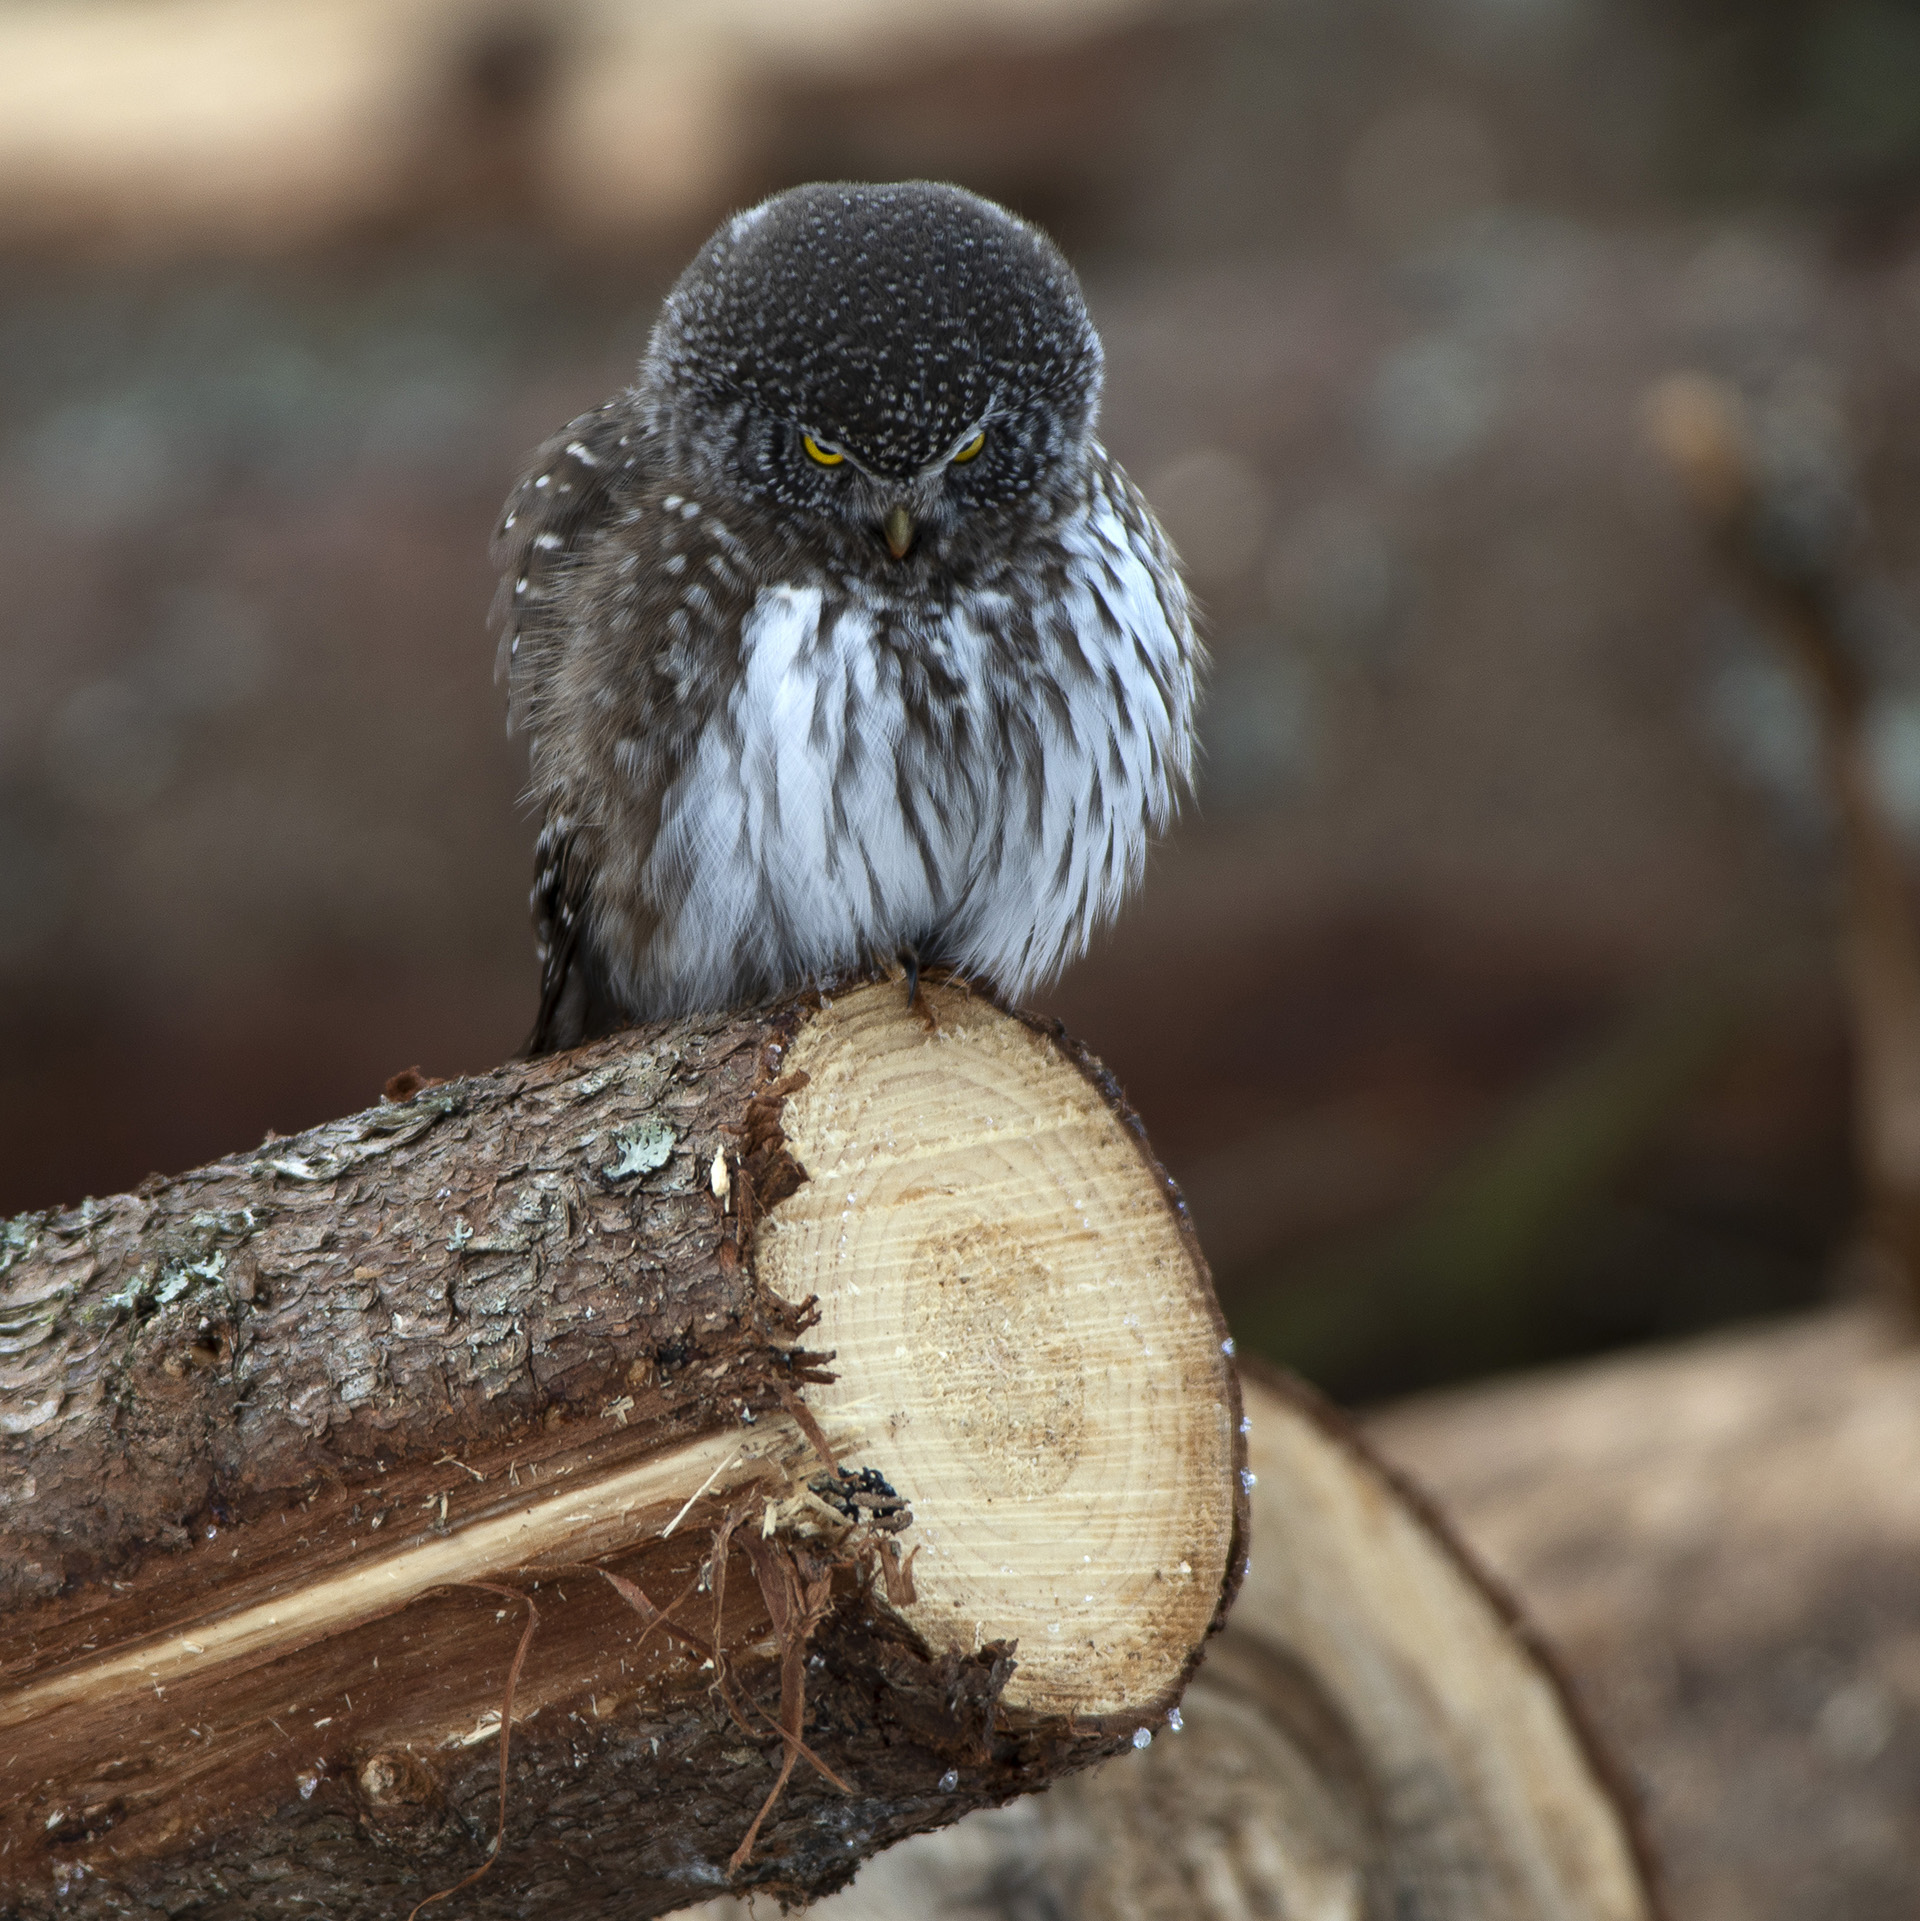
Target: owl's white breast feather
{"x":1121,"y":651}
{"x":814,"y":826}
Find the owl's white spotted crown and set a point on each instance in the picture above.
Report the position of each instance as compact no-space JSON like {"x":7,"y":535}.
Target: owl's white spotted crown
{"x":895,"y":318}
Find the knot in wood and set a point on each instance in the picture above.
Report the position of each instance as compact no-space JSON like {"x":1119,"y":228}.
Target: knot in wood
{"x":395,"y":1783}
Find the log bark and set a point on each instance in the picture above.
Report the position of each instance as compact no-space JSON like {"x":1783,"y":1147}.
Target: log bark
{"x":307,"y":1452}
{"x":1376,"y":1734}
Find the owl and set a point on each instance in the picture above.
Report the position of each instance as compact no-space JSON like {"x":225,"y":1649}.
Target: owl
{"x":838,"y":638}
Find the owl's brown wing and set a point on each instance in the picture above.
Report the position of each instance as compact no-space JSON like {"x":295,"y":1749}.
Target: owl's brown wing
{"x":570,"y":490}
{"x":574,"y":486}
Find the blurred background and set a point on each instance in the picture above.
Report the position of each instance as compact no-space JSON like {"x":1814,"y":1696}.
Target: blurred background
{"x":1496,"y":1003}
{"x":1486,"y":1005}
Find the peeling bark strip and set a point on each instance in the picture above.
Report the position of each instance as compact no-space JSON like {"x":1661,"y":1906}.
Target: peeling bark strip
{"x":275,"y":1435}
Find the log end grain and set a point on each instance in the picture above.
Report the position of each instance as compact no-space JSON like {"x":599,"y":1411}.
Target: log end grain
{"x":1023,"y":1331}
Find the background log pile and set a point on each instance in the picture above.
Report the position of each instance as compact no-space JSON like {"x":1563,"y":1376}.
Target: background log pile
{"x":1721,"y":1543}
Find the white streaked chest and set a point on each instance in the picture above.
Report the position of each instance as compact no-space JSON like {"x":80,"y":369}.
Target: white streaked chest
{"x":788,"y":830}
{"x":874,"y":779}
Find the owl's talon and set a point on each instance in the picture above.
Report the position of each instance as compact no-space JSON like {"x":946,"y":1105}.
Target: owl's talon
{"x":910,"y":960}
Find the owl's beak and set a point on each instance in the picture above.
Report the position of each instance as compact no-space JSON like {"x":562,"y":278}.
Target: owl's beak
{"x":898,"y":527}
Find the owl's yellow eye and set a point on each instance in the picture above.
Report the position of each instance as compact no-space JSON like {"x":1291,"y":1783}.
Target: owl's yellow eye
{"x":817,"y":452}
{"x":972,"y":447}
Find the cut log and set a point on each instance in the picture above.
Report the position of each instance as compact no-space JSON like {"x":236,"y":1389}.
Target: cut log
{"x":1376,"y":1734}
{"x":525,"y":1384}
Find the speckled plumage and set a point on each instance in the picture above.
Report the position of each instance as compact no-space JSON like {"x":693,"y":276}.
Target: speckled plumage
{"x":765,"y":746}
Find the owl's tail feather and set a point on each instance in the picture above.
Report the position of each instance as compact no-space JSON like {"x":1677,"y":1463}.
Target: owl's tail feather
{"x":576,"y":1003}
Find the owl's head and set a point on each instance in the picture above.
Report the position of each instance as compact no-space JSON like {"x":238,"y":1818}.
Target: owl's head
{"x":909,"y":363}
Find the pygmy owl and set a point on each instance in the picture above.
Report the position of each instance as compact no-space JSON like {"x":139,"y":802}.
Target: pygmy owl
{"x":838,"y":635}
